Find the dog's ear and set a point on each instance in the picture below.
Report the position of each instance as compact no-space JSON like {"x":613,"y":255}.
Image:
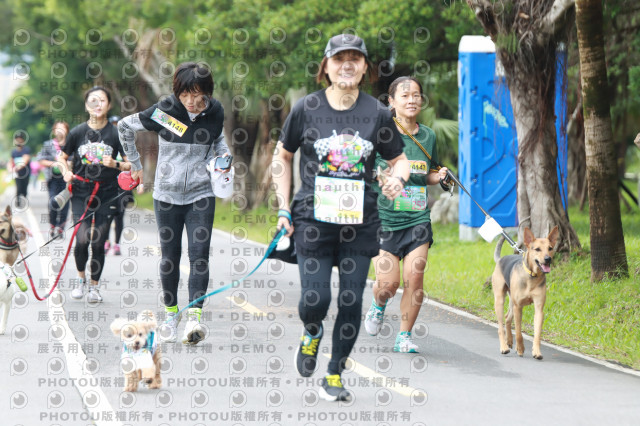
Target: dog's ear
{"x":528,"y":236}
{"x":116,"y":326}
{"x":8,"y":212}
{"x":553,"y":236}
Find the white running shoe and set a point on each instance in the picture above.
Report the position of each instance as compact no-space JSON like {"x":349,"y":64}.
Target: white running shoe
{"x":374,"y":318}
{"x":93,"y":296}
{"x":405,"y":344}
{"x":80,"y":290}
{"x":193,"y":331}
{"x":168,"y":330}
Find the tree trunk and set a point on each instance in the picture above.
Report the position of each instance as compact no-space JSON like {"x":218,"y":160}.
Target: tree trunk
{"x":608,"y":254}
{"x":539,"y":202}
{"x":575,"y":155}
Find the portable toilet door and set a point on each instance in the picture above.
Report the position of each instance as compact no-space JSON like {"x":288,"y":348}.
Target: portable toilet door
{"x":487,"y":155}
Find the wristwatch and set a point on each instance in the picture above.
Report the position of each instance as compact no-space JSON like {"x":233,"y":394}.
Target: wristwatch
{"x":118,"y":165}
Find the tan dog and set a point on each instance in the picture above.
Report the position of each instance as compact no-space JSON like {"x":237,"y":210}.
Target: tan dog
{"x":141,"y":357}
{"x":523,"y":277}
{"x":11,"y":235}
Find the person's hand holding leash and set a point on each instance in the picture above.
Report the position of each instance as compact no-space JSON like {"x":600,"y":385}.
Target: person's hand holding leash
{"x":284,"y":219}
{"x":136,"y":174}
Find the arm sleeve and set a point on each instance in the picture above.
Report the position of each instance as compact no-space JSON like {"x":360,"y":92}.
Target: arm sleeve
{"x":44,"y":153}
{"x":127,"y":129}
{"x":390,"y":143}
{"x":70,"y":144}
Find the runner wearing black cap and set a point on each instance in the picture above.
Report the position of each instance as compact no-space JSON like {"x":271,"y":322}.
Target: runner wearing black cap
{"x":333,"y":217}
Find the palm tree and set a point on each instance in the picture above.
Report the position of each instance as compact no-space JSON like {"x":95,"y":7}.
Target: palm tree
{"x":608,"y":254}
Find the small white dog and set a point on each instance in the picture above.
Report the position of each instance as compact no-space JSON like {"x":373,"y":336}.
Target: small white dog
{"x":11,"y":235}
{"x":141,"y":356}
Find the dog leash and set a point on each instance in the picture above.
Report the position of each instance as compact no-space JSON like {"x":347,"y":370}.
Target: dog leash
{"x":270,"y":249}
{"x":457,"y":182}
{"x":76,"y":226}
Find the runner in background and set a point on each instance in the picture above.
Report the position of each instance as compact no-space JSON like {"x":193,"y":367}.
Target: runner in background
{"x":94,"y":145}
{"x":334,"y":216}
{"x":406,"y":221}
{"x":20,"y":169}
{"x":122,"y":204}
{"x":48,"y":159}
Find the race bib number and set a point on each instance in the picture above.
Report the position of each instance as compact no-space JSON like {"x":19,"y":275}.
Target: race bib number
{"x":412,"y":199}
{"x":419,"y":167}
{"x":168,"y":122}
{"x":339,"y":201}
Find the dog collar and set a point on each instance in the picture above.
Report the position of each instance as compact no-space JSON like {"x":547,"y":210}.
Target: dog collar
{"x":7,"y":245}
{"x":524,"y":265}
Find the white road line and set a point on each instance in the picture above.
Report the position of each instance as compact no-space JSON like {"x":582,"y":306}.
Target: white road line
{"x":374,"y":376}
{"x":93,"y":398}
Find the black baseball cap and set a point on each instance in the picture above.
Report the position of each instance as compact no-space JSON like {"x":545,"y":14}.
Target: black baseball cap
{"x":343,"y":42}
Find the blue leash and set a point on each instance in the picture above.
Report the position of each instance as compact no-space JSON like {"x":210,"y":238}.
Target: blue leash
{"x":270,"y":249}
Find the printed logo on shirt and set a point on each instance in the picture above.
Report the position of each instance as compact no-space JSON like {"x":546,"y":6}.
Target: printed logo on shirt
{"x":343,"y":155}
{"x":168,"y":122}
{"x":93,"y":153}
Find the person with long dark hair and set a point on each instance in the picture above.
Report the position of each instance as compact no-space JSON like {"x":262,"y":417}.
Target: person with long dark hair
{"x":189,"y":127}
{"x":94,"y":180}
{"x":406,"y":222}
{"x":334,"y":217}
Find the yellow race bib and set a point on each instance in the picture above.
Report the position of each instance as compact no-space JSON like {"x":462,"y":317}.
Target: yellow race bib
{"x":168,"y":122}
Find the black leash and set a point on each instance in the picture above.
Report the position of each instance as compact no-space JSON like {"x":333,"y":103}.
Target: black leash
{"x":457,"y":182}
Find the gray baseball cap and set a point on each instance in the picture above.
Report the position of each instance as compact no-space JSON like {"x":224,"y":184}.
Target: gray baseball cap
{"x":343,"y":42}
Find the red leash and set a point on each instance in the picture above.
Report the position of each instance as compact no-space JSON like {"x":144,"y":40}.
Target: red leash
{"x":75,"y":231}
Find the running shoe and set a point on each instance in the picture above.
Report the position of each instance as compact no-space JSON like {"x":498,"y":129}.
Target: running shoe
{"x":93,"y":296}
{"x":307,"y":353}
{"x":332,"y":389}
{"x":80,"y":290}
{"x":168,"y":330}
{"x":405,"y":344}
{"x":116,"y":249}
{"x":374,"y":318}
{"x":194,"y":332}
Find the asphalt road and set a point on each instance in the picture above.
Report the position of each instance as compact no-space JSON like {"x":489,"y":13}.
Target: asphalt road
{"x":62,"y":363}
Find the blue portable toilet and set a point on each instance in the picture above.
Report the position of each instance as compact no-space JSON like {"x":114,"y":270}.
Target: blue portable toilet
{"x":488,"y":145}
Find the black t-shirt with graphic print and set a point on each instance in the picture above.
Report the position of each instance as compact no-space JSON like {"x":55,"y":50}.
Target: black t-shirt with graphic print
{"x":86,"y":147}
{"x":340,"y":144}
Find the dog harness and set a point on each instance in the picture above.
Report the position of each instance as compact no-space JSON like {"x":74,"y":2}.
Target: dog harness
{"x":143,"y":357}
{"x":150,"y":347}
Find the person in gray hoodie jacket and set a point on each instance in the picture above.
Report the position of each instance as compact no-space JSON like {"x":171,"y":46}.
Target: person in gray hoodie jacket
{"x":190,"y":133}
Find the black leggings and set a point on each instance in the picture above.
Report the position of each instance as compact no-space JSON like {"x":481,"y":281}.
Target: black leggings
{"x":118,"y":217}
{"x":197,"y":217}
{"x":86,"y":237}
{"x":315,"y":279}
{"x":22,"y":185}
